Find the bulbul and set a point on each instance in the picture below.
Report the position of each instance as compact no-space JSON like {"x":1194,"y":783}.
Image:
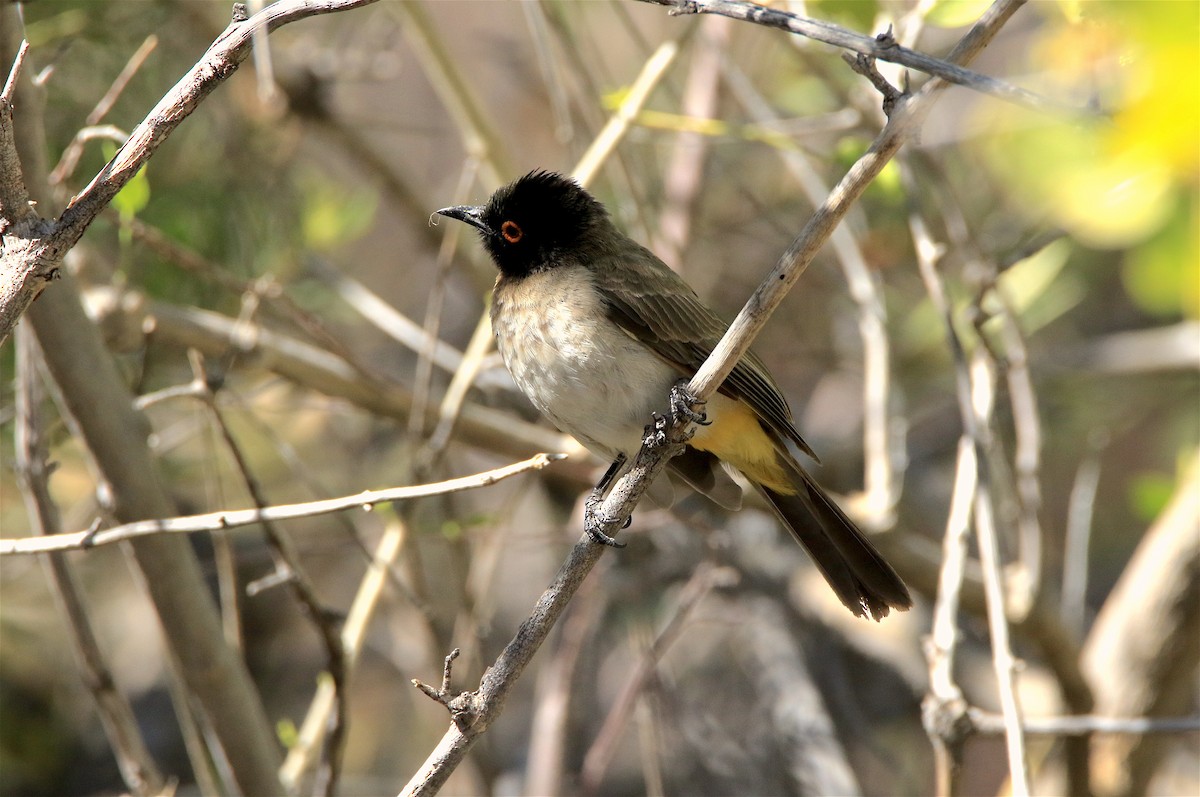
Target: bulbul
{"x":596,"y":331}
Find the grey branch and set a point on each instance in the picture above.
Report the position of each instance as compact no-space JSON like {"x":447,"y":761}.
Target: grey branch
{"x":883,"y":47}
{"x":228,"y":519}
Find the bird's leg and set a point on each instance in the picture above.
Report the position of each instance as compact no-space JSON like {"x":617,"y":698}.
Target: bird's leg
{"x":592,"y":523}
{"x":682,"y":402}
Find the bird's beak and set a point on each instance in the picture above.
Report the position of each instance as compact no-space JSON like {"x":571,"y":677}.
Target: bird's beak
{"x":471,"y":214}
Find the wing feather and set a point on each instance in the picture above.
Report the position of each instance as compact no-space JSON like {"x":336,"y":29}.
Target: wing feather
{"x":654,"y":305}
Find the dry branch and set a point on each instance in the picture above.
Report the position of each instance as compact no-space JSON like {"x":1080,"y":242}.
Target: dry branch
{"x":882,"y":47}
{"x":234,"y":518}
{"x":34,"y":247}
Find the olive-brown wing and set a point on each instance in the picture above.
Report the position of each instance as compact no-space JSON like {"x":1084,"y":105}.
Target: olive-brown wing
{"x":654,"y":305}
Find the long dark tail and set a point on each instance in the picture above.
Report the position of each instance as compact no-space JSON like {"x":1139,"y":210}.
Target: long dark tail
{"x":858,"y":574}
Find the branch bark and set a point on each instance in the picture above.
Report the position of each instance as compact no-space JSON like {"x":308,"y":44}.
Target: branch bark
{"x":233,"y":518}
{"x":882,"y":47}
{"x":34,"y":247}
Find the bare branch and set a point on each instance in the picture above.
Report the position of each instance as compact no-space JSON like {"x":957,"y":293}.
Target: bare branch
{"x":14,"y":198}
{"x":136,"y":764}
{"x":10,"y":85}
{"x":883,"y":47}
{"x":222,"y":60}
{"x":905,"y":120}
{"x":986,"y":722}
{"x":229,"y":519}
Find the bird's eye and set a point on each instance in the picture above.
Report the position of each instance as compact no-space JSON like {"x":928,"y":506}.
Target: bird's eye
{"x":511,"y":232}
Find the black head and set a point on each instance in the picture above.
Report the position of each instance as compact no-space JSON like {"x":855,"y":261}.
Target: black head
{"x":535,"y":223}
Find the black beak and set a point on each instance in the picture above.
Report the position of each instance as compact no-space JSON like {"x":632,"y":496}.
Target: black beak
{"x":471,"y":214}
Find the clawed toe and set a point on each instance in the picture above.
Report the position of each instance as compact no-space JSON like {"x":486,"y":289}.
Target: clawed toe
{"x":599,"y":537}
{"x":682,"y":402}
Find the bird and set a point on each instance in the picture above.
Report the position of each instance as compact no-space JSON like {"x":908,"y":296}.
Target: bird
{"x":596,"y":331}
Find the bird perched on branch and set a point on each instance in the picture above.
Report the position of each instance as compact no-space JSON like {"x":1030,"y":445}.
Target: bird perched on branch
{"x":597,"y":331}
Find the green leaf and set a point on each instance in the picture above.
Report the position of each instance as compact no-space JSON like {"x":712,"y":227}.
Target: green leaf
{"x":287,"y":732}
{"x":1149,"y":494}
{"x":133,"y":198}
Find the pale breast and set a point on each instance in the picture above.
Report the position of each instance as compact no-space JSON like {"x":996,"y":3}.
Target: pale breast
{"x":586,"y":375}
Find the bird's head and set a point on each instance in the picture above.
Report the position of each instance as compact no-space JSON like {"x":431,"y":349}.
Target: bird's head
{"x":535,"y":223}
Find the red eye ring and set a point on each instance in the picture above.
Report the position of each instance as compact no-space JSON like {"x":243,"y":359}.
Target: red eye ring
{"x":511,"y":232}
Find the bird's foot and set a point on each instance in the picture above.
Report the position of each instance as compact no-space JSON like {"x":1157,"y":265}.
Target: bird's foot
{"x":682,"y":402}
{"x":593,"y":523}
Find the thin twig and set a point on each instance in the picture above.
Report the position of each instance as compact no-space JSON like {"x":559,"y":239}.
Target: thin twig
{"x":423,"y":373}
{"x":883,"y":47}
{"x":10,"y":84}
{"x":456,"y":393}
{"x":138,"y":770}
{"x":604,"y":143}
{"x":390,"y":321}
{"x":287,"y":560}
{"x":598,"y":757}
{"x":944,"y":709}
{"x":683,"y":176}
{"x":233,"y":518}
{"x":982,"y":372}
{"x":1081,"y":507}
{"x":987,"y":722}
{"x":70,"y":157}
{"x":362,"y":609}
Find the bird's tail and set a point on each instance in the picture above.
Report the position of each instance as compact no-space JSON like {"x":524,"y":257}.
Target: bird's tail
{"x":858,"y":574}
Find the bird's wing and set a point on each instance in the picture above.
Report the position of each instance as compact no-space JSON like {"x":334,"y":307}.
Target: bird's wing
{"x":654,"y":305}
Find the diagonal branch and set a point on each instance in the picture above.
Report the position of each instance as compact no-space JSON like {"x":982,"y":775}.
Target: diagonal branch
{"x":223,"y":58}
{"x":905,"y":120}
{"x":473,"y":712}
{"x":37,"y":246}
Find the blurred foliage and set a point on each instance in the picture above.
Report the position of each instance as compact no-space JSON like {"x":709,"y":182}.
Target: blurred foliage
{"x":1129,"y":178}
{"x":334,"y":215}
